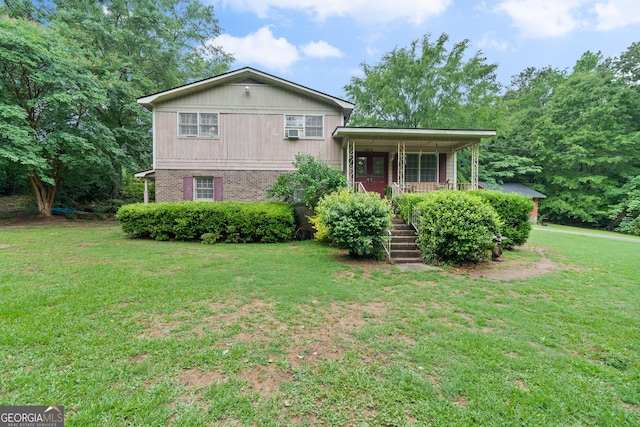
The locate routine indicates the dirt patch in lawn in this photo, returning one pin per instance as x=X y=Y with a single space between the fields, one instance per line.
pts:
x=510 y=269
x=195 y=378
x=265 y=380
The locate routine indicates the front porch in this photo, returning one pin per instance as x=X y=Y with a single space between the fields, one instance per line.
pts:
x=407 y=160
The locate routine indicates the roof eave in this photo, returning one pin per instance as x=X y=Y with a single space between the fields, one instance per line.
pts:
x=150 y=100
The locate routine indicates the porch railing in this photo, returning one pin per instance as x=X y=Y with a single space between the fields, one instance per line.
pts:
x=423 y=187
x=358 y=187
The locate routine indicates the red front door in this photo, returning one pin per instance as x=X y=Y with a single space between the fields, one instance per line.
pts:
x=372 y=170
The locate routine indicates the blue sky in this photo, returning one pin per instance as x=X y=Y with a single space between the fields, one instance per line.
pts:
x=321 y=43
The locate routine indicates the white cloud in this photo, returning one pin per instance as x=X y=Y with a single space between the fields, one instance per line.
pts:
x=489 y=41
x=260 y=48
x=372 y=11
x=544 y=18
x=321 y=49
x=616 y=13
x=265 y=50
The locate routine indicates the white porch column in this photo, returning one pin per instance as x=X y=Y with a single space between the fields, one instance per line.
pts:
x=475 y=152
x=402 y=157
x=351 y=160
x=146 y=191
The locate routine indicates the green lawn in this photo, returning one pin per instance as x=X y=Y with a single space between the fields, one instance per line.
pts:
x=133 y=332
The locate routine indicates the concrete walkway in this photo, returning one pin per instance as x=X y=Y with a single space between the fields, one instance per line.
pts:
x=579 y=233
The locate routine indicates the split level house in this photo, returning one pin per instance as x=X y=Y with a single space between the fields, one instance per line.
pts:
x=228 y=138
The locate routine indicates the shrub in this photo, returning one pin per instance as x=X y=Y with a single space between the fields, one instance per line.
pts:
x=357 y=222
x=455 y=227
x=514 y=211
x=311 y=180
x=228 y=221
x=405 y=202
x=322 y=231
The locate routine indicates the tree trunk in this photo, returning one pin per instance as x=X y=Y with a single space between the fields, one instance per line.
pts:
x=44 y=196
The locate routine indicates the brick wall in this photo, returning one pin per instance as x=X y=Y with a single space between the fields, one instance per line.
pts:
x=245 y=186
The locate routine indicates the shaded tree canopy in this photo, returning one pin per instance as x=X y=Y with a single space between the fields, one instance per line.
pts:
x=132 y=49
x=426 y=85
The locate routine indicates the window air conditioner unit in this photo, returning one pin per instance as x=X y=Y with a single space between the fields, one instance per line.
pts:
x=293 y=133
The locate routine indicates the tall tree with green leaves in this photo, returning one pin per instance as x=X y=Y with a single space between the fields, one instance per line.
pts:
x=135 y=48
x=49 y=99
x=426 y=85
x=508 y=157
x=586 y=141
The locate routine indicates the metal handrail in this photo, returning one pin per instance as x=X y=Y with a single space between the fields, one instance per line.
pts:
x=396 y=190
x=414 y=218
x=387 y=244
x=358 y=187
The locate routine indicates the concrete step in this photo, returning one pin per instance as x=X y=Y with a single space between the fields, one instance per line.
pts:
x=405 y=253
x=403 y=239
x=407 y=260
x=404 y=249
x=406 y=245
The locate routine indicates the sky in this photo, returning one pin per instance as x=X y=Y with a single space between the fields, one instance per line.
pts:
x=322 y=44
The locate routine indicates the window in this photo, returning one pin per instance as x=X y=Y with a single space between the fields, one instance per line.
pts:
x=310 y=127
x=421 y=168
x=203 y=188
x=198 y=124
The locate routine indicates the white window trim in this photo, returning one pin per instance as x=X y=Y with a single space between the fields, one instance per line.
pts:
x=198 y=125
x=303 y=128
x=419 y=164
x=195 y=189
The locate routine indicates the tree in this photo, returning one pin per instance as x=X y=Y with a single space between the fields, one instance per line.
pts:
x=311 y=181
x=134 y=48
x=508 y=157
x=586 y=141
x=426 y=86
x=48 y=103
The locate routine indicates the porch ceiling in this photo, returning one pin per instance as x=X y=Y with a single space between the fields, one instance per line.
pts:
x=453 y=139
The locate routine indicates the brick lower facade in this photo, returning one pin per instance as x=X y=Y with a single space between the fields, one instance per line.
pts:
x=243 y=186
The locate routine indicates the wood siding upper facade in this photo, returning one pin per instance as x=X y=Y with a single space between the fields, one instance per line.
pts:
x=251 y=129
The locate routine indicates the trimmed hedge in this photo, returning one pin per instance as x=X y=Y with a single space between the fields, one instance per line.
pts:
x=404 y=203
x=357 y=222
x=233 y=222
x=514 y=211
x=456 y=227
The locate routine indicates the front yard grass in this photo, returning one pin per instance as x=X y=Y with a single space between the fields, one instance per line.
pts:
x=135 y=332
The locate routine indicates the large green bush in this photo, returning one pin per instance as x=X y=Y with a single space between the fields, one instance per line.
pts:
x=357 y=222
x=405 y=203
x=228 y=221
x=311 y=180
x=514 y=211
x=456 y=227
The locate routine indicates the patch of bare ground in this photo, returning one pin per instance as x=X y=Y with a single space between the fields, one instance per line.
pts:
x=631 y=407
x=138 y=357
x=509 y=269
x=329 y=339
x=159 y=330
x=521 y=386
x=265 y=380
x=461 y=401
x=196 y=379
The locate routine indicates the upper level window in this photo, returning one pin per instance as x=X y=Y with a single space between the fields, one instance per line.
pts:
x=198 y=124
x=311 y=127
